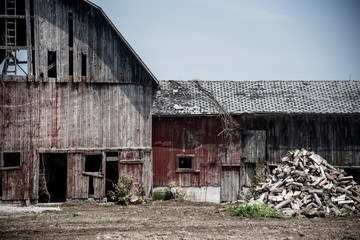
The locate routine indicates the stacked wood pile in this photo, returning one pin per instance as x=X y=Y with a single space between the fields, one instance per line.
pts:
x=307 y=185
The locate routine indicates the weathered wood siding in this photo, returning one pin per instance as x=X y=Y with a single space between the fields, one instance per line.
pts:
x=98 y=100
x=336 y=138
x=51 y=116
x=108 y=56
x=196 y=136
x=264 y=140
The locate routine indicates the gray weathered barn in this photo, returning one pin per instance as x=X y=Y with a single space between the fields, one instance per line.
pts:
x=190 y=145
x=75 y=102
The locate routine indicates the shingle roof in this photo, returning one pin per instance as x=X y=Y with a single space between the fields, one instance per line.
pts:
x=298 y=97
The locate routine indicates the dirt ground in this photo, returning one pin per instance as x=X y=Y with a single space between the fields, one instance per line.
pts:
x=176 y=219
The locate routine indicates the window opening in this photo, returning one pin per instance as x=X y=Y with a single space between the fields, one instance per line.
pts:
x=11 y=159
x=93 y=163
x=52 y=64
x=15 y=63
x=83 y=64
x=13 y=58
x=185 y=162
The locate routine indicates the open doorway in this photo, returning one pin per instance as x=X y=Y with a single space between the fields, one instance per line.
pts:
x=112 y=171
x=52 y=177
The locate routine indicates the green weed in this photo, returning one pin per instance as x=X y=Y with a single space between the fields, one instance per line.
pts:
x=103 y=221
x=254 y=211
x=76 y=214
x=34 y=217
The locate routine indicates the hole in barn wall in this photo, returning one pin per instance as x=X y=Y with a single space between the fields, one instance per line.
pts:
x=83 y=64
x=11 y=159
x=93 y=163
x=52 y=177
x=52 y=64
x=353 y=172
x=91 y=187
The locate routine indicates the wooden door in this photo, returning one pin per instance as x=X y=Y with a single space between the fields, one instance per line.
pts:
x=253 y=143
x=230 y=180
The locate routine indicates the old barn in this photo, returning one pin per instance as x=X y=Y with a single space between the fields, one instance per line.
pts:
x=213 y=137
x=75 y=103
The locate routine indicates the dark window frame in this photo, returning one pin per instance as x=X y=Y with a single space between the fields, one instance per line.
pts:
x=185 y=169
x=5 y=166
x=92 y=157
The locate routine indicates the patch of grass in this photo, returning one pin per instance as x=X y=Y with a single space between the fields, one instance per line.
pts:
x=76 y=214
x=211 y=214
x=193 y=212
x=160 y=195
x=34 y=217
x=103 y=221
x=254 y=211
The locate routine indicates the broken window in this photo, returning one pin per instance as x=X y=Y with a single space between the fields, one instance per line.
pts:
x=93 y=163
x=11 y=159
x=14 y=54
x=185 y=162
x=52 y=64
x=14 y=63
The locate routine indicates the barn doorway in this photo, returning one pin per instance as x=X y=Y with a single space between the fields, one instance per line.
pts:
x=52 y=177
x=112 y=172
x=230 y=183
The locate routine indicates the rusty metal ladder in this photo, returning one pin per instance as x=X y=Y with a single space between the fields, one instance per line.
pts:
x=10 y=25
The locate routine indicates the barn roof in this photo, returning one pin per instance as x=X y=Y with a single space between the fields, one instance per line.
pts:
x=289 y=97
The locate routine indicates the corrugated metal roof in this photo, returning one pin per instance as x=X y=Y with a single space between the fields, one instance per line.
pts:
x=298 y=97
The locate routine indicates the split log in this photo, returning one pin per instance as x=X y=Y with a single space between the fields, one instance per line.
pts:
x=283 y=203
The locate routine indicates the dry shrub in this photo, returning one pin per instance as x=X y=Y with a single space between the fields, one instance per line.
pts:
x=126 y=193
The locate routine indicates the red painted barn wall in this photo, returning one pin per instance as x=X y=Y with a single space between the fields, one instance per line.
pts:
x=191 y=135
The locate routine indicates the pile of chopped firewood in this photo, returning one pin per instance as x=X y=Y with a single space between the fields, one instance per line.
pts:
x=307 y=185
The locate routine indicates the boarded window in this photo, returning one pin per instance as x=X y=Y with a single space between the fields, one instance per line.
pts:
x=12 y=159
x=93 y=163
x=185 y=162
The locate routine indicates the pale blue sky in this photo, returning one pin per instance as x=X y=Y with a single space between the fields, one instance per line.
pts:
x=242 y=39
